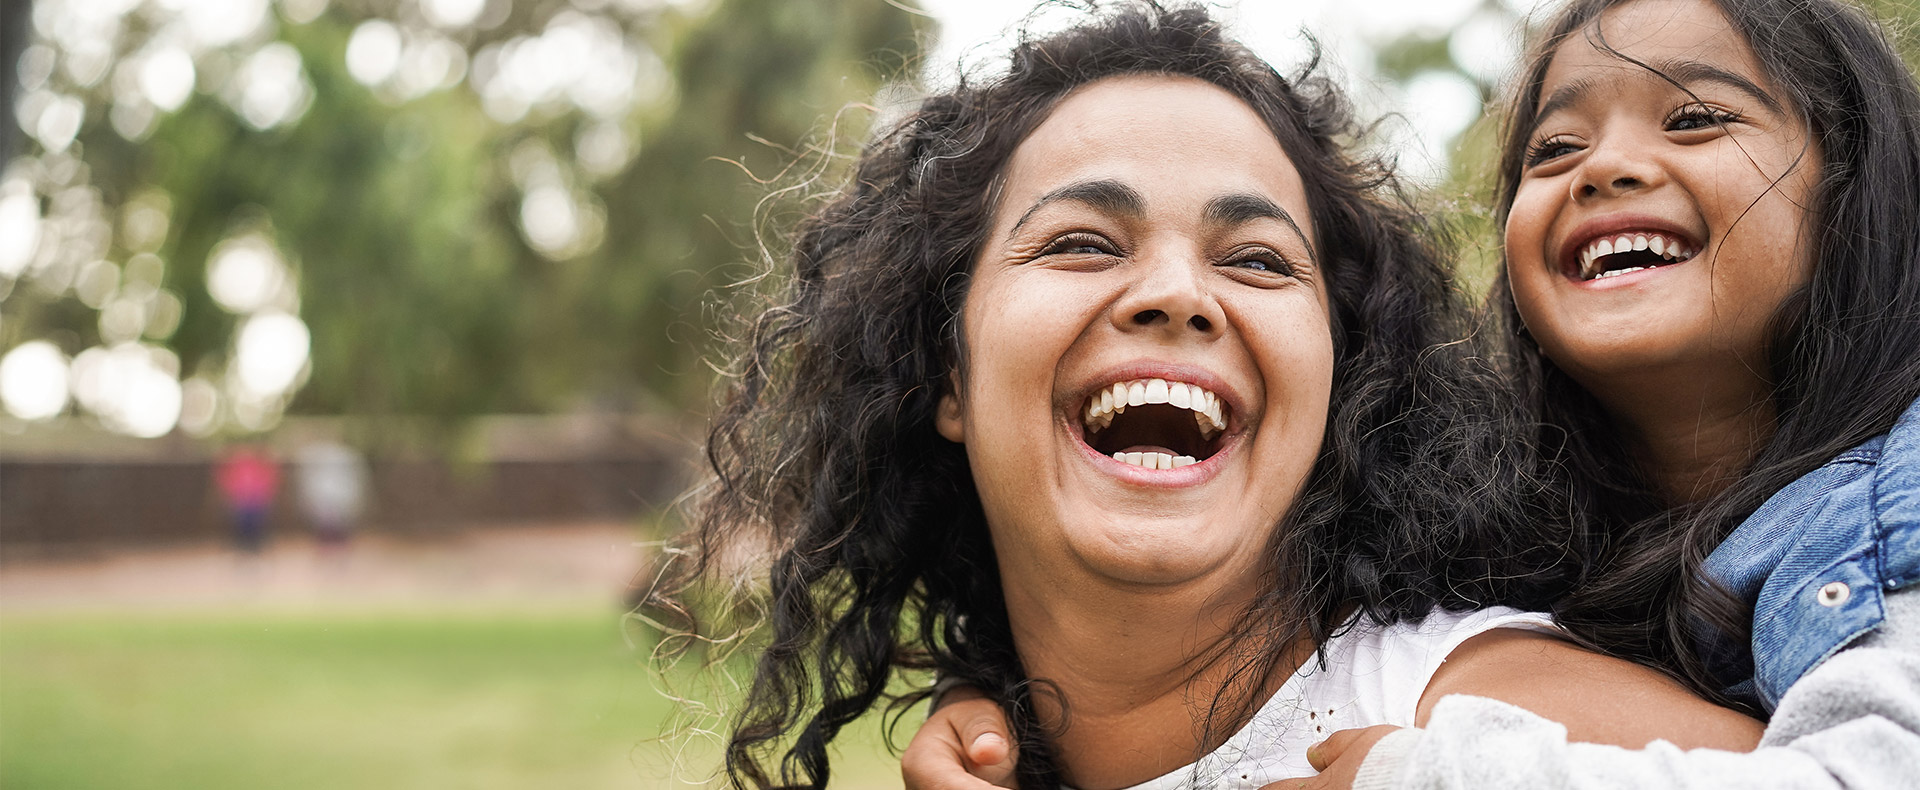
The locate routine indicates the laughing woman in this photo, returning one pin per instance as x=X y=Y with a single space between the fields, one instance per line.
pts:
x=1115 y=387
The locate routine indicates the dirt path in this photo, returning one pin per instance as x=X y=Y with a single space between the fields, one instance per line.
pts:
x=531 y=566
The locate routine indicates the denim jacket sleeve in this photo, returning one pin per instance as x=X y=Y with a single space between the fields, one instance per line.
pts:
x=1817 y=559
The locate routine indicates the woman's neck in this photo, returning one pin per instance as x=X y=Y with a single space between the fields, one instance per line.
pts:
x=1139 y=670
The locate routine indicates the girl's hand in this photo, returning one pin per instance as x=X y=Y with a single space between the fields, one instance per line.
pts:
x=963 y=746
x=1337 y=759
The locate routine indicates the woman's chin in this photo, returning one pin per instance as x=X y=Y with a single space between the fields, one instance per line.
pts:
x=1160 y=552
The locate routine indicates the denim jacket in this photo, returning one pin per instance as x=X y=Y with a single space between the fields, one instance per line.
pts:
x=1818 y=557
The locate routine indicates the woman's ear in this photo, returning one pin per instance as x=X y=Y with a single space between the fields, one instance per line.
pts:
x=948 y=420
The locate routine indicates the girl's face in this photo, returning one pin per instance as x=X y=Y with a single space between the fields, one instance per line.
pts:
x=1656 y=230
x=1148 y=347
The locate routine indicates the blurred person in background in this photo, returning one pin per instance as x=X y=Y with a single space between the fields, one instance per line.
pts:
x=248 y=478
x=333 y=487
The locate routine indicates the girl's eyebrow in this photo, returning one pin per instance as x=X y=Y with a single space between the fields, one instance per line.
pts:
x=1679 y=72
x=1566 y=96
x=1688 y=72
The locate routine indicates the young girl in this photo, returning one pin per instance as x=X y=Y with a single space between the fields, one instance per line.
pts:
x=1712 y=219
x=1111 y=385
x=1740 y=408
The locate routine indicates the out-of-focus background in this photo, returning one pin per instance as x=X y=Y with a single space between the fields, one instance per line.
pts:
x=354 y=352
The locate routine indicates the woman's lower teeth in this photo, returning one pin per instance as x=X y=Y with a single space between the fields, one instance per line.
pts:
x=1155 y=460
x=1618 y=272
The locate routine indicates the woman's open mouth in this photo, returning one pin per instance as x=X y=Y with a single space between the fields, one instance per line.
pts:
x=1616 y=254
x=1154 y=423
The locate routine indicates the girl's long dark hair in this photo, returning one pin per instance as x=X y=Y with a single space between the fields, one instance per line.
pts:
x=825 y=459
x=1844 y=352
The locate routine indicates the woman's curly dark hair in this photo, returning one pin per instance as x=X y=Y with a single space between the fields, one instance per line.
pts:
x=1844 y=353
x=825 y=452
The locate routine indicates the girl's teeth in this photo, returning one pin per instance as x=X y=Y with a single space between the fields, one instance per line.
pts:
x=1155 y=460
x=1137 y=393
x=1178 y=395
x=1591 y=268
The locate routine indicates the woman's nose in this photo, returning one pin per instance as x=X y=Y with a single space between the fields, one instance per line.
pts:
x=1169 y=296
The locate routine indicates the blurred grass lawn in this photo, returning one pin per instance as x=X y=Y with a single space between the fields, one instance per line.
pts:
x=336 y=700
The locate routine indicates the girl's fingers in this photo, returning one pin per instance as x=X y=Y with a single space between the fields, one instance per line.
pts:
x=983 y=729
x=1324 y=753
x=963 y=746
x=985 y=734
x=936 y=760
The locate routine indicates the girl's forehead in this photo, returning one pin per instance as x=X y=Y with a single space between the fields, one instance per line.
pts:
x=1657 y=34
x=1661 y=45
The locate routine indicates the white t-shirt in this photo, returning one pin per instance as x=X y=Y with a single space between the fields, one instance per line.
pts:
x=1374 y=674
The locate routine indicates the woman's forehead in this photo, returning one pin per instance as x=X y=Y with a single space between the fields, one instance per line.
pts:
x=1168 y=137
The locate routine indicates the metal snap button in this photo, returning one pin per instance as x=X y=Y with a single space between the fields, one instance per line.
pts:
x=1834 y=594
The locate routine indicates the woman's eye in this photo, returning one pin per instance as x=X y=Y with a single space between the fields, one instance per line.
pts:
x=1548 y=150
x=1263 y=261
x=1079 y=244
x=1699 y=116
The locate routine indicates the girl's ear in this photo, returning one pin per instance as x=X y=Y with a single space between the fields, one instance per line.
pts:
x=948 y=420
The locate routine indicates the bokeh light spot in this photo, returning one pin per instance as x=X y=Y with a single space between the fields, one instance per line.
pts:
x=271 y=354
x=246 y=274
x=33 y=380
x=373 y=52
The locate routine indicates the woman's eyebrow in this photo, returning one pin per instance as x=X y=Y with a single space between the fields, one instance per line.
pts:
x=1242 y=207
x=1106 y=195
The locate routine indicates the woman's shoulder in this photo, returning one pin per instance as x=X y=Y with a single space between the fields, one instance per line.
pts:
x=1439 y=630
x=1384 y=667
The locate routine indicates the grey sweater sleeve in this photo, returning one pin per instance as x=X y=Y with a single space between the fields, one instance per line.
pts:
x=1853 y=722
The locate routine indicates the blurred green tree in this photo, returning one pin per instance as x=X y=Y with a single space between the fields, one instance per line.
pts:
x=469 y=206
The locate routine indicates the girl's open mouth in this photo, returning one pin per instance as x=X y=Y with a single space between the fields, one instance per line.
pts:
x=1615 y=254
x=1154 y=423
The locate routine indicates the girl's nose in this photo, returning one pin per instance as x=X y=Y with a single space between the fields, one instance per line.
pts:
x=1612 y=171
x=1169 y=297
x=1617 y=186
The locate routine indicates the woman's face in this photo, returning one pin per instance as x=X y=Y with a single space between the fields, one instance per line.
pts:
x=1151 y=247
x=1655 y=233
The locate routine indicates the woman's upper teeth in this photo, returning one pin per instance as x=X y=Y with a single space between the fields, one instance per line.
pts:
x=1208 y=412
x=1671 y=248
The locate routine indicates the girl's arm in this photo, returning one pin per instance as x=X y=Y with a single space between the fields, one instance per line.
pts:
x=1852 y=722
x=1598 y=698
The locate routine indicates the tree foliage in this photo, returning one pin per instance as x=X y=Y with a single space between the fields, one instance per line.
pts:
x=454 y=253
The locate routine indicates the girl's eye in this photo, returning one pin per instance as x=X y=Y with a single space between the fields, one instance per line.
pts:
x=1551 y=148
x=1694 y=117
x=1080 y=244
